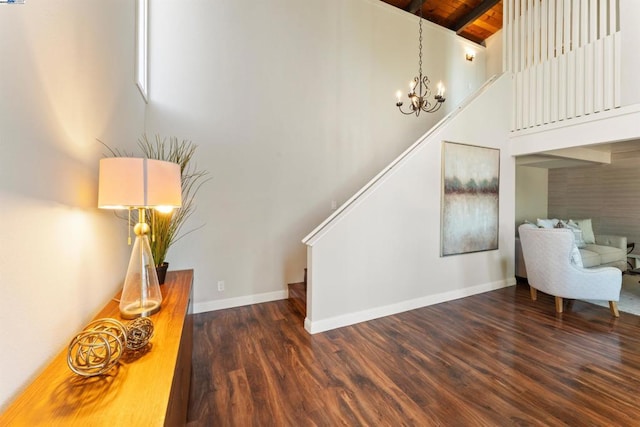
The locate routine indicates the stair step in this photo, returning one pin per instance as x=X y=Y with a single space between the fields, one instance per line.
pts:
x=298 y=296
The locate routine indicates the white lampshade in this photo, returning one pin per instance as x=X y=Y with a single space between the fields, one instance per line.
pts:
x=129 y=182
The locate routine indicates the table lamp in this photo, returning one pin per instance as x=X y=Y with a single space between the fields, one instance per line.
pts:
x=137 y=183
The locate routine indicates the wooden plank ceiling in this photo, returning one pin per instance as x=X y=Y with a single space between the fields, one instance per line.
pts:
x=475 y=20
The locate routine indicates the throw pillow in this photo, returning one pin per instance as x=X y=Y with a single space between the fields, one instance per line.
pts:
x=577 y=234
x=576 y=258
x=572 y=225
x=587 y=230
x=547 y=223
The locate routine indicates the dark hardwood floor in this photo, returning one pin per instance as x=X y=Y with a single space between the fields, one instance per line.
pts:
x=495 y=359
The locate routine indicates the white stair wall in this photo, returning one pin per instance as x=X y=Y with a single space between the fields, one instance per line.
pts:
x=380 y=254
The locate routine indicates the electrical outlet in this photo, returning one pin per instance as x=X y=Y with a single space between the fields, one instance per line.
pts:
x=220 y=285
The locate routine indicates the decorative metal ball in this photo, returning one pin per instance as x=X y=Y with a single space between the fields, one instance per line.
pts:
x=109 y=325
x=98 y=348
x=101 y=344
x=139 y=332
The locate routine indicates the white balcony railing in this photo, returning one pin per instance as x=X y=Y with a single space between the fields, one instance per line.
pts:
x=564 y=56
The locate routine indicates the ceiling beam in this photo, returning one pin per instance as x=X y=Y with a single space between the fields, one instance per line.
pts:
x=472 y=15
x=414 y=6
x=582 y=153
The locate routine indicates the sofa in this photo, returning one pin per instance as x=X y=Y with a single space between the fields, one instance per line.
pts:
x=596 y=250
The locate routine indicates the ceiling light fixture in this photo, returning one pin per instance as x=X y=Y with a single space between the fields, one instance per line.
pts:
x=419 y=91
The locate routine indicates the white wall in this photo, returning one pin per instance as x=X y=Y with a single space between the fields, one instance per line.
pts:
x=66 y=79
x=531 y=193
x=292 y=103
x=381 y=255
x=494 y=54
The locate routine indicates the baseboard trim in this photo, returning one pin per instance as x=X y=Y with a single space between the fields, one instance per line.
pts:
x=221 y=304
x=388 y=310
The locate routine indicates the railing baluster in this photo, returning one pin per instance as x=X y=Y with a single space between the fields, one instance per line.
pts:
x=537 y=50
x=547 y=54
x=517 y=65
x=580 y=57
x=565 y=58
x=617 y=57
x=570 y=85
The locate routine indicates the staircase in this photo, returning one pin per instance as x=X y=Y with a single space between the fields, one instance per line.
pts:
x=378 y=254
x=298 y=297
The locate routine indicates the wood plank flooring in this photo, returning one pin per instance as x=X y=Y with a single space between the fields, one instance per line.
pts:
x=495 y=359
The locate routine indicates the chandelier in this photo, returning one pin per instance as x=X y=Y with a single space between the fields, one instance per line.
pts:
x=419 y=91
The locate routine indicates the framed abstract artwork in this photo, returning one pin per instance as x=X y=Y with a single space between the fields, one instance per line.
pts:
x=470 y=198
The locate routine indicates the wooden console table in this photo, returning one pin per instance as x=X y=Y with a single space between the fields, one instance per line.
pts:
x=152 y=390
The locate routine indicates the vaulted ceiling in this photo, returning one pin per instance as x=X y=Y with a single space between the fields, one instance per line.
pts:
x=475 y=20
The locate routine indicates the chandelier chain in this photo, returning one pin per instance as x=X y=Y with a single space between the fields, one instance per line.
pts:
x=420 y=47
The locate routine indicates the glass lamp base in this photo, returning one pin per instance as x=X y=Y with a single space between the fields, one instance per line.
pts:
x=135 y=309
x=141 y=294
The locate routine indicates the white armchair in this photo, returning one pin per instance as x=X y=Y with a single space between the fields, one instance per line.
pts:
x=553 y=268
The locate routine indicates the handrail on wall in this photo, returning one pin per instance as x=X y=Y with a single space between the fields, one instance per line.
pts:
x=315 y=234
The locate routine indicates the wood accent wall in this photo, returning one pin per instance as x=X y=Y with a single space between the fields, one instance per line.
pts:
x=608 y=194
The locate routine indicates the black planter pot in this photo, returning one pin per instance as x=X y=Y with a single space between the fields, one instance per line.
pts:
x=161 y=270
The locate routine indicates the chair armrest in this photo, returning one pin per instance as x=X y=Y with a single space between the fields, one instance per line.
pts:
x=599 y=283
x=609 y=240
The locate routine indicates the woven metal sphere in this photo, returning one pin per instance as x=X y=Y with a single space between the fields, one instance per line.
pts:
x=139 y=332
x=93 y=353
x=109 y=325
x=97 y=348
